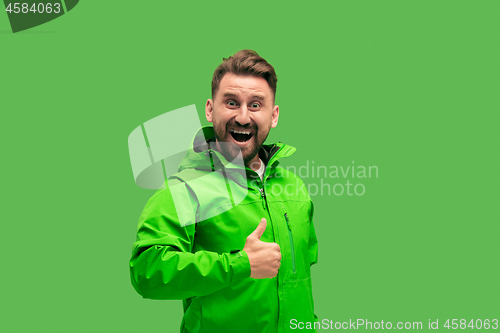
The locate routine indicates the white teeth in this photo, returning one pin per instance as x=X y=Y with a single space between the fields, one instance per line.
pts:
x=241 y=132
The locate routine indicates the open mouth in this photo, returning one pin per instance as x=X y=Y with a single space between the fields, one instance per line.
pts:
x=241 y=135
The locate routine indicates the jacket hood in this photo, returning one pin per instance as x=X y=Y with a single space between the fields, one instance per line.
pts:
x=201 y=157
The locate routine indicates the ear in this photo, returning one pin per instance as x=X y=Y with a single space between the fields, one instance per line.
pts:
x=209 y=110
x=276 y=115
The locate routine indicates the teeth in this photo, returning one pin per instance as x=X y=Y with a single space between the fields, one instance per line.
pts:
x=241 y=132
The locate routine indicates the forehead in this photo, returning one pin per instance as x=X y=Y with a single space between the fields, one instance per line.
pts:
x=244 y=85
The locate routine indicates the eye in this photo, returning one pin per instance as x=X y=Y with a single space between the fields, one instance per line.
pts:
x=231 y=102
x=255 y=105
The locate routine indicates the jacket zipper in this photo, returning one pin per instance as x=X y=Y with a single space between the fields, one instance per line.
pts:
x=263 y=196
x=264 y=205
x=291 y=241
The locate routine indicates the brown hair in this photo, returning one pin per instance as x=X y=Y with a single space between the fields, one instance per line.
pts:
x=245 y=63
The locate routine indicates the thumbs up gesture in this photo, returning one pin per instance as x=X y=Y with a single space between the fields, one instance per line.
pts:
x=264 y=257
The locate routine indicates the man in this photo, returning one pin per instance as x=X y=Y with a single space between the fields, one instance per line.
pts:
x=241 y=265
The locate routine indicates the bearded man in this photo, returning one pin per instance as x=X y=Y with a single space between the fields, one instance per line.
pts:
x=240 y=265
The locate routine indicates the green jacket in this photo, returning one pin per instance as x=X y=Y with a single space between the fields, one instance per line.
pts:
x=203 y=262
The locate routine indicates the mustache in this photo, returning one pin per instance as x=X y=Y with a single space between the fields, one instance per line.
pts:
x=234 y=124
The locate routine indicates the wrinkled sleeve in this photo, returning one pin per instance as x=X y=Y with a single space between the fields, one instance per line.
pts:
x=163 y=265
x=313 y=241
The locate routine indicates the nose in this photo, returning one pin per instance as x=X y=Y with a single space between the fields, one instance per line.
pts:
x=243 y=116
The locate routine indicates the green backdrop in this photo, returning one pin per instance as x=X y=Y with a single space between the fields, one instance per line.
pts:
x=411 y=87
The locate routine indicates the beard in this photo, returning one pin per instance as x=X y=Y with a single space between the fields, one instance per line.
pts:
x=230 y=150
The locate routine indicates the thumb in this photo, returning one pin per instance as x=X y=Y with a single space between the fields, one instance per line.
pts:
x=260 y=229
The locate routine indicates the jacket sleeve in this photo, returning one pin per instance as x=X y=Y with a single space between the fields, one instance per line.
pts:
x=163 y=266
x=313 y=248
x=313 y=241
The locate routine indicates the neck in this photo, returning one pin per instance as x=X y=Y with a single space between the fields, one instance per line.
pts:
x=255 y=163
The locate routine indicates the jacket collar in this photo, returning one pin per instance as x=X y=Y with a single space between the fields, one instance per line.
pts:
x=203 y=156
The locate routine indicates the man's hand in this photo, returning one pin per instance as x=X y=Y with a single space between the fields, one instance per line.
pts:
x=264 y=257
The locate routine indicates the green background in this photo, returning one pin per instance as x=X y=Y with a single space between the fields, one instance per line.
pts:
x=409 y=86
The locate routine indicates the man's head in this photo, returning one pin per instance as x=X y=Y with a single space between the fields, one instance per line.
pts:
x=242 y=107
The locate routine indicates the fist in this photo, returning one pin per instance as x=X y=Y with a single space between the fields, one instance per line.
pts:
x=265 y=258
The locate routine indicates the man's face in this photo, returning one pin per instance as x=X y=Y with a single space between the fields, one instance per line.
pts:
x=242 y=113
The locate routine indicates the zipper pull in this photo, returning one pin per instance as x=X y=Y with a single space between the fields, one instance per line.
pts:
x=263 y=196
x=287 y=219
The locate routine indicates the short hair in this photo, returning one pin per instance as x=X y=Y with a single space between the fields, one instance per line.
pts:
x=245 y=63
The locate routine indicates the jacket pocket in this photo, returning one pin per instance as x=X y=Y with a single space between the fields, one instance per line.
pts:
x=290 y=237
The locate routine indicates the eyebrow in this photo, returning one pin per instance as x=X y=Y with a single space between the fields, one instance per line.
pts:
x=261 y=97
x=256 y=96
x=229 y=95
